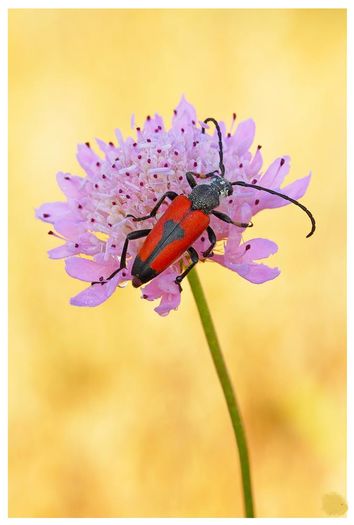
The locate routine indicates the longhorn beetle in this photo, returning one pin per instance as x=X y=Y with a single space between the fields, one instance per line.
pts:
x=185 y=219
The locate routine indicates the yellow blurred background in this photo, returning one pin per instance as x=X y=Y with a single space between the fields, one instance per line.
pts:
x=115 y=411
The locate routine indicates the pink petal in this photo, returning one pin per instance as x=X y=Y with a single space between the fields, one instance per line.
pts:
x=69 y=184
x=89 y=244
x=120 y=138
x=164 y=286
x=244 y=136
x=185 y=112
x=88 y=270
x=87 y=159
x=232 y=247
x=159 y=122
x=96 y=294
x=163 y=283
x=255 y=165
x=168 y=303
x=132 y=121
x=275 y=174
x=242 y=213
x=259 y=249
x=256 y=273
x=253 y=272
x=70 y=228
x=295 y=190
x=53 y=211
x=150 y=125
x=106 y=148
x=85 y=244
x=240 y=259
x=66 y=250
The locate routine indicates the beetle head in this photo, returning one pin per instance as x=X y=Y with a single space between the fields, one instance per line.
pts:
x=222 y=186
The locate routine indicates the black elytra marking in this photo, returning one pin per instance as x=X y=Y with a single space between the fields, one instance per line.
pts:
x=142 y=269
x=171 y=232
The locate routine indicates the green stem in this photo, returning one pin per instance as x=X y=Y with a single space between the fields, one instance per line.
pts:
x=226 y=386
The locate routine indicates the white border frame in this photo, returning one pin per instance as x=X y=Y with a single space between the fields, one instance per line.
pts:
x=116 y=4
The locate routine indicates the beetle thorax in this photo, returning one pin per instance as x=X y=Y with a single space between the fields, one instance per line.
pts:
x=204 y=197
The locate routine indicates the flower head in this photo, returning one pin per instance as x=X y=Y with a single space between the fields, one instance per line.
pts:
x=131 y=175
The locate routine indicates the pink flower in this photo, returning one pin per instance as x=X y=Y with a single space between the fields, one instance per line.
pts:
x=130 y=177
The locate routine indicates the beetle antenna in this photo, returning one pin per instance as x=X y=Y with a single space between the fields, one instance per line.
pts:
x=221 y=154
x=260 y=188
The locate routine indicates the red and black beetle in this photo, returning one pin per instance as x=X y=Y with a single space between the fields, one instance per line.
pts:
x=184 y=221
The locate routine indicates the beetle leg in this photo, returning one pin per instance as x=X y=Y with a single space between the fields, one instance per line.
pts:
x=212 y=239
x=194 y=256
x=138 y=234
x=211 y=174
x=225 y=218
x=170 y=194
x=191 y=180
